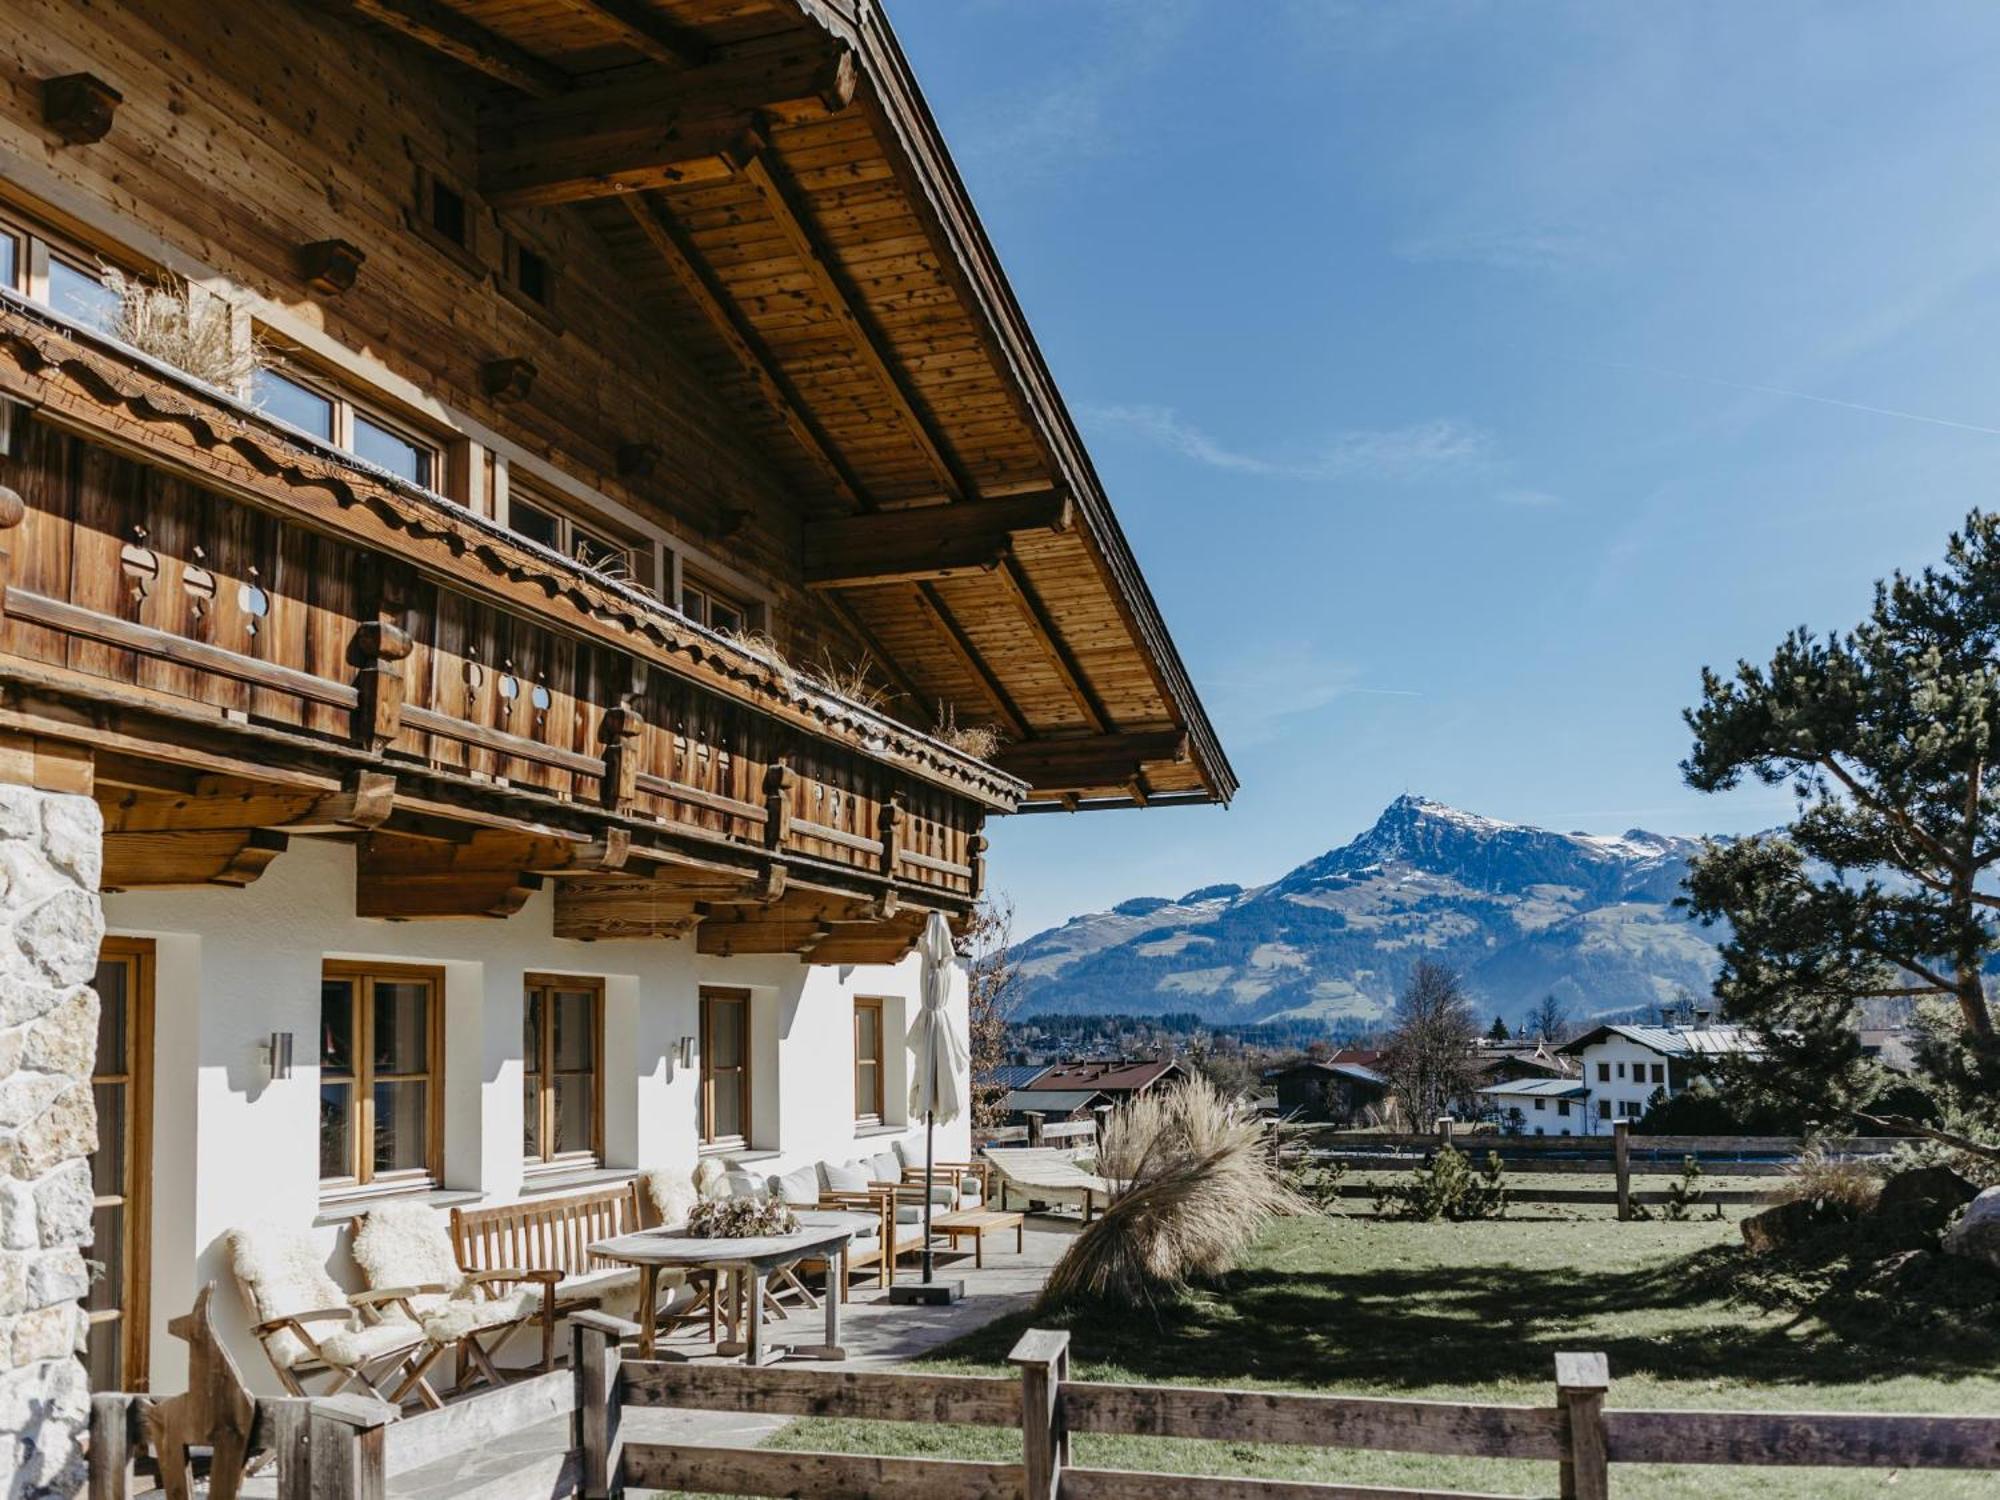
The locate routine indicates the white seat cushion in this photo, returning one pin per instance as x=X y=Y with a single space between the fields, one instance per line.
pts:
x=886 y=1167
x=281 y=1274
x=407 y=1244
x=799 y=1188
x=464 y=1315
x=347 y=1347
x=852 y=1177
x=674 y=1195
x=909 y=1213
x=741 y=1182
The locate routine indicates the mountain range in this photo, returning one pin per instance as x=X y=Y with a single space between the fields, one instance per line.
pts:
x=1520 y=912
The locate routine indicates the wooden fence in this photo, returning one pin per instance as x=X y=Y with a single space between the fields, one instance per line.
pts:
x=1574 y=1431
x=326 y=1447
x=1620 y=1155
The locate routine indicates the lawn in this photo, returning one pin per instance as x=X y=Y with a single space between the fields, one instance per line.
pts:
x=1477 y=1311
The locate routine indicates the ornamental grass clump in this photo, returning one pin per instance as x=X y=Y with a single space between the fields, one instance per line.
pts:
x=1841 y=1186
x=179 y=326
x=1192 y=1184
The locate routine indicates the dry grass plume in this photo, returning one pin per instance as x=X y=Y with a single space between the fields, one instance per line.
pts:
x=179 y=326
x=1192 y=1186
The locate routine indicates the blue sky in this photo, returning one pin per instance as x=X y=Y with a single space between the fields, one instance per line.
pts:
x=1468 y=375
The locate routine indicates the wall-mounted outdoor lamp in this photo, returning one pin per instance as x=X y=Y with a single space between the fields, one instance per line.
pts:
x=684 y=1052
x=278 y=1055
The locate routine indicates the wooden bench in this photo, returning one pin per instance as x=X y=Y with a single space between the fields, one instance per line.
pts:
x=891 y=1238
x=547 y=1241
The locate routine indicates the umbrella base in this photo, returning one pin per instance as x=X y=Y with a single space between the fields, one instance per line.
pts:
x=926 y=1293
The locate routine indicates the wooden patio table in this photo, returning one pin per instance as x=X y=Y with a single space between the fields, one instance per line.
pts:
x=751 y=1260
x=978 y=1223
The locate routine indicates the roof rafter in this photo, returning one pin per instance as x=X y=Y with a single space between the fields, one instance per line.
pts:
x=1053 y=647
x=646 y=30
x=443 y=30
x=926 y=542
x=954 y=637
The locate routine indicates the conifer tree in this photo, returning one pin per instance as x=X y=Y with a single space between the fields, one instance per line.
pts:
x=1882 y=887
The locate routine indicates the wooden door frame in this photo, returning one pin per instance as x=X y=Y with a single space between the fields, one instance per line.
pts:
x=137 y=1302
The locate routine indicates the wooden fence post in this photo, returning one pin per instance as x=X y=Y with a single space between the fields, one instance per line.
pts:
x=287 y=1424
x=113 y=1415
x=1444 y=1125
x=1043 y=1356
x=594 y=1362
x=345 y=1436
x=1621 y=1155
x=1581 y=1381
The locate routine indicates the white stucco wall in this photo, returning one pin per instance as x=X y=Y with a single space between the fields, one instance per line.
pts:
x=1633 y=1088
x=232 y=1147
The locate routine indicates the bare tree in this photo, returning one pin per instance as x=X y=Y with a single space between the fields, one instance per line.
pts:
x=1549 y=1022
x=993 y=977
x=1429 y=1061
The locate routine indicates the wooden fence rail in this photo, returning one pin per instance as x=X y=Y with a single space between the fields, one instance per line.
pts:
x=327 y=1447
x=1575 y=1430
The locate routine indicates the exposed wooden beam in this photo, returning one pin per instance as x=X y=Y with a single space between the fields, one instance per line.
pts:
x=229 y=856
x=625 y=907
x=490 y=874
x=226 y=802
x=883 y=660
x=961 y=648
x=928 y=542
x=656 y=130
x=1049 y=640
x=1097 y=761
x=685 y=265
x=443 y=30
x=871 y=349
x=646 y=30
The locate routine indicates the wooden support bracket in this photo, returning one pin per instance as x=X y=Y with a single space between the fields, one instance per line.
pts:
x=78 y=107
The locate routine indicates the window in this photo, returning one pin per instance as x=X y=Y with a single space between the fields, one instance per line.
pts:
x=332 y=416
x=81 y=295
x=10 y=260
x=1630 y=1108
x=1621 y=1070
x=444 y=215
x=708 y=605
x=868 y=1061
x=1541 y=1104
x=531 y=516
x=562 y=1080
x=1659 y=1072
x=526 y=276
x=725 y=1067
x=1603 y=1109
x=381 y=1074
x=447 y=211
x=1604 y=1072
x=1562 y=1108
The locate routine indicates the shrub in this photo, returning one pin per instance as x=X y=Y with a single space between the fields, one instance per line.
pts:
x=1448 y=1188
x=1192 y=1185
x=1683 y=1196
x=175 y=324
x=1842 y=1186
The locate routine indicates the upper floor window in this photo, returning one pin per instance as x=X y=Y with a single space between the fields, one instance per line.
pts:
x=81 y=295
x=526 y=276
x=868 y=1061
x=707 y=604
x=591 y=543
x=1604 y=1072
x=332 y=416
x=10 y=260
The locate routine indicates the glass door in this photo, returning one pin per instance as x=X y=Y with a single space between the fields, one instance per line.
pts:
x=121 y=1168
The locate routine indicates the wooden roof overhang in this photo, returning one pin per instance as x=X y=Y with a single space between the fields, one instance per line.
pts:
x=773 y=180
x=233 y=635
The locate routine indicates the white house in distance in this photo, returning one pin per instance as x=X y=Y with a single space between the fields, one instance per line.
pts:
x=1622 y=1067
x=502 y=723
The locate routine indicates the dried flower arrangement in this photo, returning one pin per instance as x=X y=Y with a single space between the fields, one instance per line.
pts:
x=853 y=680
x=740 y=1219
x=980 y=741
x=180 y=326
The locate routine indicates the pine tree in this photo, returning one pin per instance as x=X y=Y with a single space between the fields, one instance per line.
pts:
x=1879 y=889
x=1497 y=1032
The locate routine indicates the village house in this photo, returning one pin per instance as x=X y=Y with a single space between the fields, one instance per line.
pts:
x=1341 y=1089
x=1621 y=1071
x=523 y=691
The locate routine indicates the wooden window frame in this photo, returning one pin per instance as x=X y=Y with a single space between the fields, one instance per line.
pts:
x=508 y=278
x=709 y=1140
x=422 y=220
x=569 y=522
x=136 y=1301
x=362 y=1178
x=880 y=1062
x=749 y=607
x=347 y=406
x=545 y=1093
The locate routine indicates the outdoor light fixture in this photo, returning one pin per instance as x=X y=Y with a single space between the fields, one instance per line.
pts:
x=278 y=1055
x=684 y=1052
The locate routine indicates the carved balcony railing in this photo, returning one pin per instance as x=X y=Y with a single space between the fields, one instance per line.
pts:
x=189 y=572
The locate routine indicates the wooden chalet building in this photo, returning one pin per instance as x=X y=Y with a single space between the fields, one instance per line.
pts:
x=459 y=658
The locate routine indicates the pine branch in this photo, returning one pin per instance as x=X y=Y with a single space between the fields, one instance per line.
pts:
x=1902 y=1125
x=1895 y=815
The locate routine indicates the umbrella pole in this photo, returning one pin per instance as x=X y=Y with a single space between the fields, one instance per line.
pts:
x=930 y=1137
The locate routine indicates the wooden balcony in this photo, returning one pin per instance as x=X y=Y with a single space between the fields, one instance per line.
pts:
x=236 y=635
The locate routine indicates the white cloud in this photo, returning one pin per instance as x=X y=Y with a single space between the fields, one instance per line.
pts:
x=1505 y=248
x=1418 y=451
x=1272 y=684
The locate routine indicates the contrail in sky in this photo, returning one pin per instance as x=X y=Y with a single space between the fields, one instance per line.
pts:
x=1773 y=390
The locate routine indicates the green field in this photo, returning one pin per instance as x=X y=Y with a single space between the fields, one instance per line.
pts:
x=1478 y=1311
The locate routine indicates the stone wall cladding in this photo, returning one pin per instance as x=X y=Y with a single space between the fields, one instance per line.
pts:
x=51 y=927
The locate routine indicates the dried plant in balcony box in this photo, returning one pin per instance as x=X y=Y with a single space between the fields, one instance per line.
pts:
x=740 y=1219
x=853 y=680
x=1193 y=1182
x=980 y=741
x=180 y=326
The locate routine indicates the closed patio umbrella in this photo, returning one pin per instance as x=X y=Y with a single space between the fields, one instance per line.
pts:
x=938 y=1055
